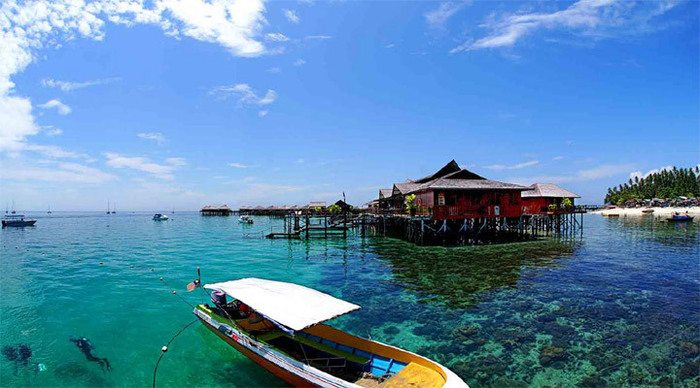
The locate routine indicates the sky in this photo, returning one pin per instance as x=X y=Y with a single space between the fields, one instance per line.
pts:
x=163 y=104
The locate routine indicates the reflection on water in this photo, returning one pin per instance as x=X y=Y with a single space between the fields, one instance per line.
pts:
x=459 y=275
x=619 y=307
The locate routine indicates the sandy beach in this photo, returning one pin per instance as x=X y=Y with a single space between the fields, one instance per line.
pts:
x=658 y=211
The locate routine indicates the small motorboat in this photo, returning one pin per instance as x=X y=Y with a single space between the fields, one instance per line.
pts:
x=611 y=215
x=17 y=220
x=245 y=219
x=647 y=211
x=279 y=326
x=160 y=217
x=680 y=218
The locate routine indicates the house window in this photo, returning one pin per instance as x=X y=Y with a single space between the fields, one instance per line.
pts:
x=441 y=199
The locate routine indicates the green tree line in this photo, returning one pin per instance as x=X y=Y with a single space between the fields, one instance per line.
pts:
x=663 y=184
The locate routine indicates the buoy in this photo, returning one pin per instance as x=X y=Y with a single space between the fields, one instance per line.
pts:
x=161 y=278
x=174 y=292
x=101 y=263
x=164 y=349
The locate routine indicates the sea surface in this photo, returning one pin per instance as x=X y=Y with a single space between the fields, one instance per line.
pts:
x=619 y=305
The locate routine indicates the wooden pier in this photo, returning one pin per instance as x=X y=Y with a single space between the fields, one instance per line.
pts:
x=470 y=231
x=298 y=224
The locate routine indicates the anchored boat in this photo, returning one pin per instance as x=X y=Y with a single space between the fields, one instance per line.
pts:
x=160 y=217
x=680 y=218
x=245 y=219
x=279 y=326
x=17 y=220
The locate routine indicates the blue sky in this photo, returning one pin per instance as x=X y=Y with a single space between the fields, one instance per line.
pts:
x=179 y=103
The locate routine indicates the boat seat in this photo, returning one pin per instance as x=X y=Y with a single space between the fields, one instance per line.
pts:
x=381 y=366
x=331 y=349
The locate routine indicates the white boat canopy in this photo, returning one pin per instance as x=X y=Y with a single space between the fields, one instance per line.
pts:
x=294 y=306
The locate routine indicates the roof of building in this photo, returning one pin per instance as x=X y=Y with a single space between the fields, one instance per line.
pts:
x=385 y=193
x=447 y=183
x=291 y=305
x=548 y=190
x=404 y=188
x=216 y=208
x=314 y=204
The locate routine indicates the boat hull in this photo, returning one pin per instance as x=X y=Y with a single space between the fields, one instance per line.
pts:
x=18 y=223
x=684 y=219
x=271 y=367
x=295 y=372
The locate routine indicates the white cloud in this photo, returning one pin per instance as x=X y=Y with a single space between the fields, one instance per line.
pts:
x=276 y=37
x=559 y=157
x=176 y=161
x=274 y=70
x=437 y=17
x=62 y=108
x=238 y=165
x=514 y=166
x=299 y=62
x=29 y=26
x=263 y=113
x=61 y=173
x=318 y=37
x=51 y=131
x=138 y=163
x=16 y=121
x=52 y=151
x=68 y=86
x=155 y=136
x=594 y=18
x=638 y=174
x=247 y=95
x=291 y=16
x=591 y=174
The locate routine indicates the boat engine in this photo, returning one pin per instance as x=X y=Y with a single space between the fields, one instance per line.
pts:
x=218 y=298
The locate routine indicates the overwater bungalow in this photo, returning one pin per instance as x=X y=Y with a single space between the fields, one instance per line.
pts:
x=547 y=197
x=455 y=205
x=216 y=210
x=456 y=193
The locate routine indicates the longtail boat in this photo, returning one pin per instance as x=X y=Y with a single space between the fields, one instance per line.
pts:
x=279 y=326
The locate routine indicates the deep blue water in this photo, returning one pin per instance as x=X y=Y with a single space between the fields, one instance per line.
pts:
x=619 y=306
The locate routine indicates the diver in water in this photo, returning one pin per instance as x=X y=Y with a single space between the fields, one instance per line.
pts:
x=86 y=348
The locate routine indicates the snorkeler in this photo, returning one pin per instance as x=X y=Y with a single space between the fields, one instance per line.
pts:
x=86 y=348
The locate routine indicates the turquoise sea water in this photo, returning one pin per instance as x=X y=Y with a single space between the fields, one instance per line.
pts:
x=620 y=306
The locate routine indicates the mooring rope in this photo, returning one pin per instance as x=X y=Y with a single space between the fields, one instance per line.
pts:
x=165 y=349
x=174 y=292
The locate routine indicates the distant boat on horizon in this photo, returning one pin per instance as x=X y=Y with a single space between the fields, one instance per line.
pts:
x=49 y=211
x=17 y=220
x=114 y=208
x=108 y=212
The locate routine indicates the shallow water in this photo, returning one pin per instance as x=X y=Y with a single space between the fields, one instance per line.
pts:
x=619 y=306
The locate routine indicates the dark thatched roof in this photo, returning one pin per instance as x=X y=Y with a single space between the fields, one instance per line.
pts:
x=404 y=188
x=548 y=190
x=385 y=193
x=468 y=184
x=450 y=168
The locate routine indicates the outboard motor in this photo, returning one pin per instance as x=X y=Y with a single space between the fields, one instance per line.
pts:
x=218 y=297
